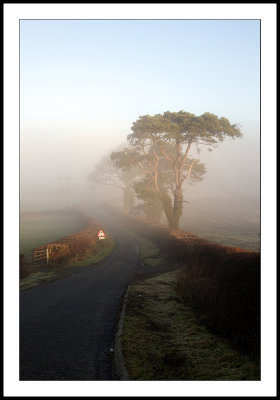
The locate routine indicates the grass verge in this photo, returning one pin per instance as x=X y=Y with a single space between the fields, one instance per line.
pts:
x=99 y=252
x=35 y=278
x=163 y=340
x=150 y=253
x=38 y=275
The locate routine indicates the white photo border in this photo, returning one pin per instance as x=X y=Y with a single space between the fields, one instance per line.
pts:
x=13 y=13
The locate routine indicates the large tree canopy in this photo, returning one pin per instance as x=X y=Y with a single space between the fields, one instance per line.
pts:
x=162 y=145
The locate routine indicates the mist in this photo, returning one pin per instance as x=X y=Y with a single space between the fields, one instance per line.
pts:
x=58 y=176
x=223 y=207
x=89 y=81
x=177 y=103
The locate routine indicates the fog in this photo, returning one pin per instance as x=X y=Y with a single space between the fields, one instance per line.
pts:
x=84 y=82
x=54 y=170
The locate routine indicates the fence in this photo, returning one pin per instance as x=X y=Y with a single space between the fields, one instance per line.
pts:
x=50 y=252
x=40 y=256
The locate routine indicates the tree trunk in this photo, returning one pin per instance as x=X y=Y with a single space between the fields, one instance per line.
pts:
x=177 y=208
x=128 y=200
x=173 y=212
x=167 y=207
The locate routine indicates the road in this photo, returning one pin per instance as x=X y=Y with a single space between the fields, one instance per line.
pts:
x=67 y=326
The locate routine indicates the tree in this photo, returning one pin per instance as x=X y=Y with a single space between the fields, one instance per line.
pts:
x=151 y=205
x=123 y=162
x=162 y=145
x=107 y=173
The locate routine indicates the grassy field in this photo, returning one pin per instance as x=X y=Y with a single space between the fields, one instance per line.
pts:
x=163 y=340
x=38 y=230
x=229 y=222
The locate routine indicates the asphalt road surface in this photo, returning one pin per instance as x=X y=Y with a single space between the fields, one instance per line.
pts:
x=67 y=327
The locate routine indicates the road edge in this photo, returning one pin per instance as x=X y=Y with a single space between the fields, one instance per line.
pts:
x=120 y=367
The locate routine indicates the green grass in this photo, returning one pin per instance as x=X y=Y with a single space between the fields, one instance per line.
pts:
x=163 y=340
x=148 y=248
x=39 y=230
x=36 y=278
x=52 y=271
x=231 y=221
x=100 y=251
x=238 y=231
x=233 y=239
x=150 y=253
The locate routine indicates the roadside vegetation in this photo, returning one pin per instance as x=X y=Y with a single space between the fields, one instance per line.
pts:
x=98 y=252
x=200 y=322
x=37 y=277
x=150 y=253
x=80 y=249
x=222 y=284
x=164 y=340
